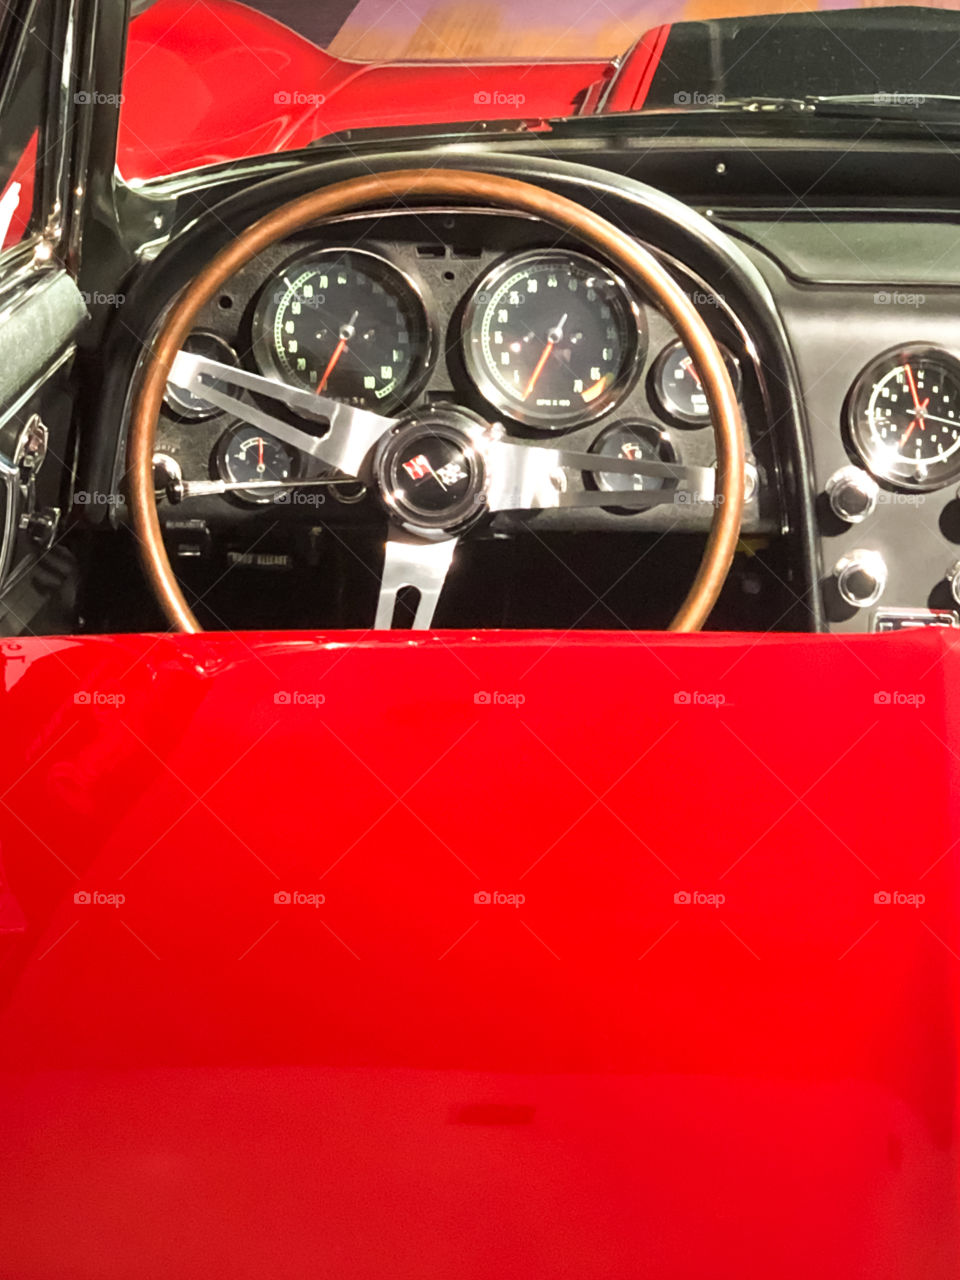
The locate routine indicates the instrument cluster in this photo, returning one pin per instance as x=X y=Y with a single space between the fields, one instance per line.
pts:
x=544 y=340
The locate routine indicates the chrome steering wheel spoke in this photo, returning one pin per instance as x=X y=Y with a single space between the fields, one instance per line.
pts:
x=533 y=478
x=350 y=433
x=416 y=563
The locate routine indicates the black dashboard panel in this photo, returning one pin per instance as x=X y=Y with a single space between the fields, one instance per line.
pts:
x=446 y=254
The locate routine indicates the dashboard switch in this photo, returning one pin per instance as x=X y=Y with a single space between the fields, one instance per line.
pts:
x=861 y=577
x=852 y=494
x=953 y=579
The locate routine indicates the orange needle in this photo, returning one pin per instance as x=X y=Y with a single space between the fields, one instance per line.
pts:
x=338 y=351
x=913 y=388
x=346 y=333
x=915 y=422
x=538 y=370
x=260 y=453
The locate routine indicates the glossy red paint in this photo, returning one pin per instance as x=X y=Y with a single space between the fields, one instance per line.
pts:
x=631 y=84
x=219 y=81
x=602 y=1081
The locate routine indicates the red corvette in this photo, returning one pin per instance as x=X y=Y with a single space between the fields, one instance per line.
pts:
x=479 y=592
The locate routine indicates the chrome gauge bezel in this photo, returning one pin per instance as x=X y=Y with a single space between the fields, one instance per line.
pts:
x=866 y=446
x=481 y=299
x=664 y=403
x=264 y=343
x=221 y=465
x=176 y=400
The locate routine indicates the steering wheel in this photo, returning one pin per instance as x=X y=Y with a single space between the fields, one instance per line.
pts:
x=492 y=473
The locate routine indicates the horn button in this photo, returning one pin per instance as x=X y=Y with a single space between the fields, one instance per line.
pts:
x=430 y=470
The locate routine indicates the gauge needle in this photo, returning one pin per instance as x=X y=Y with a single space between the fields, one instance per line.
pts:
x=689 y=366
x=553 y=337
x=260 y=453
x=346 y=333
x=919 y=420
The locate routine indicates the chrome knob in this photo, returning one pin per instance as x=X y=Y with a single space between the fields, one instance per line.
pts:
x=953 y=580
x=852 y=494
x=861 y=577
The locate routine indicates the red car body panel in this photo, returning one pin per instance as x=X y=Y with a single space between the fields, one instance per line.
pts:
x=220 y=82
x=718 y=1037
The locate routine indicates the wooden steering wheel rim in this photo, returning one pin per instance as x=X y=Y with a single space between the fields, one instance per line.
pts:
x=636 y=263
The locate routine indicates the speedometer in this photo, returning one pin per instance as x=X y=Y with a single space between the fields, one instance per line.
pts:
x=347 y=324
x=552 y=339
x=904 y=417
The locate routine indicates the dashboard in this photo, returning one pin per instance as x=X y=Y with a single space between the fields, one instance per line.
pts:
x=849 y=398
x=492 y=313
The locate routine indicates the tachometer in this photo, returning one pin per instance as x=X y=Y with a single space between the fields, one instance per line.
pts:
x=345 y=323
x=552 y=338
x=904 y=417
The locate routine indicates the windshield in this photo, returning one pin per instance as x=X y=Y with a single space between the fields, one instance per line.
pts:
x=223 y=80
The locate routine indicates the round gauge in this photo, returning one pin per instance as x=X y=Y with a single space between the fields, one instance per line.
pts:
x=677 y=387
x=346 y=324
x=247 y=456
x=552 y=339
x=184 y=403
x=904 y=417
x=632 y=440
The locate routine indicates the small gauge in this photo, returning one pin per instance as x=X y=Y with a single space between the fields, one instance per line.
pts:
x=552 y=339
x=245 y=455
x=184 y=403
x=347 y=324
x=640 y=441
x=903 y=415
x=677 y=387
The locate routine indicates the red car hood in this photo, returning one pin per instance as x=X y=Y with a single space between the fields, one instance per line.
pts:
x=488 y=955
x=220 y=81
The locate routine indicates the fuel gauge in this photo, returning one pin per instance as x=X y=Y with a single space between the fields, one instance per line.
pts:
x=677 y=387
x=247 y=455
